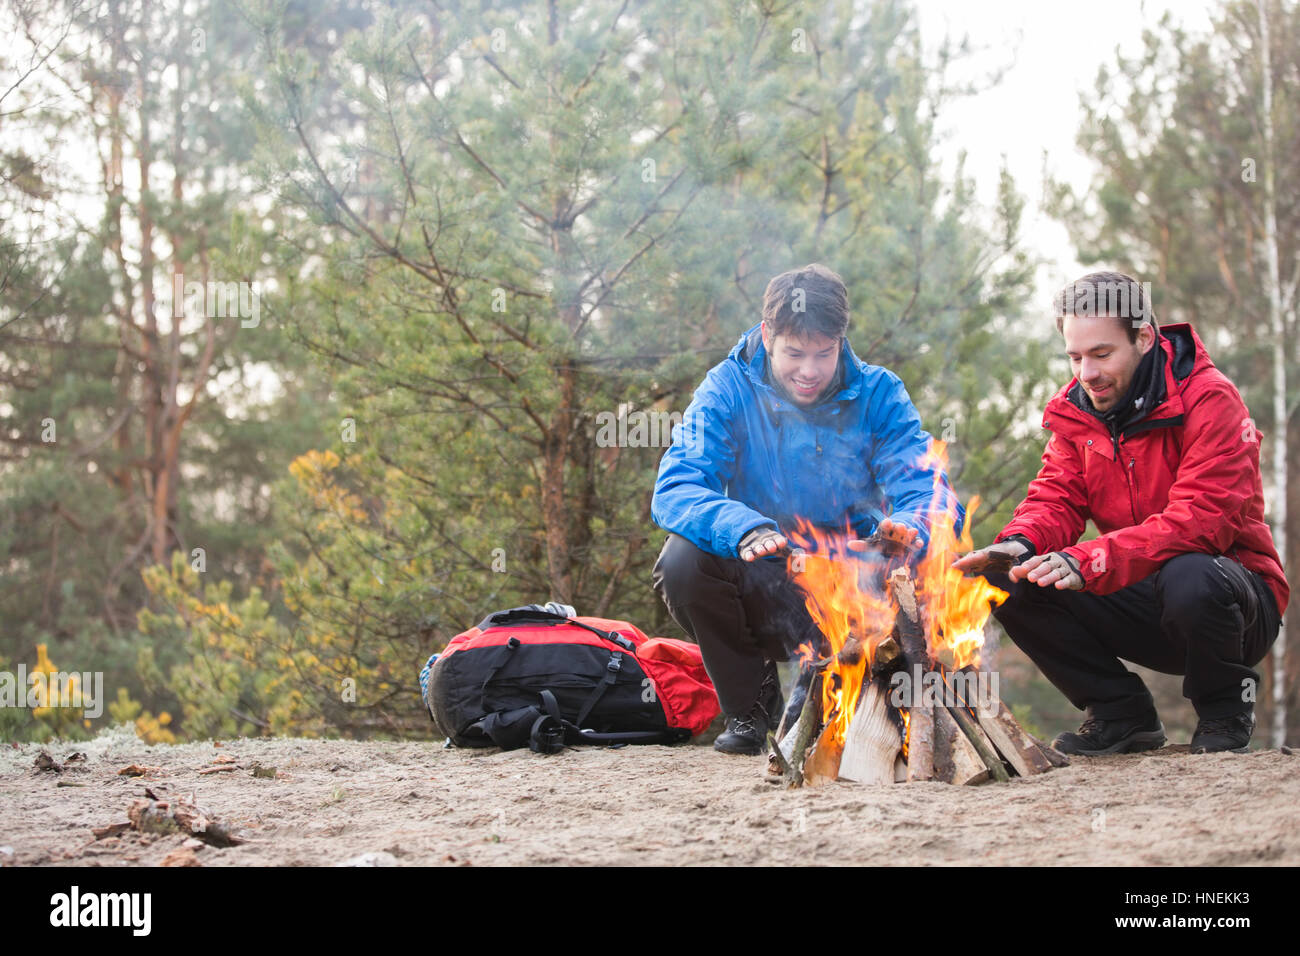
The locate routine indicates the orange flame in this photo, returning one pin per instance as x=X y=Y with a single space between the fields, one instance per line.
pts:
x=846 y=599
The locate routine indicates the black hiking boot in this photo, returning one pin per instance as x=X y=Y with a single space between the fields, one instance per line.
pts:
x=1216 y=734
x=744 y=735
x=747 y=734
x=1125 y=736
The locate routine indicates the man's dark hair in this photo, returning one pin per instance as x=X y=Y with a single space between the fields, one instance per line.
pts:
x=806 y=302
x=1111 y=294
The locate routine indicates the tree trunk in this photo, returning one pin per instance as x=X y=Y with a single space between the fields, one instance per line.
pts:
x=1279 y=454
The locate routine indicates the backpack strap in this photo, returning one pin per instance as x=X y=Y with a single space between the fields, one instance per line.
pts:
x=550 y=730
x=502 y=657
x=534 y=615
x=611 y=675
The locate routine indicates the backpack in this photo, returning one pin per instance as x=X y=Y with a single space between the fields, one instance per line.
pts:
x=532 y=677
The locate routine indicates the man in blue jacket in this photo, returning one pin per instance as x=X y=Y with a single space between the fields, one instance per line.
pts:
x=792 y=425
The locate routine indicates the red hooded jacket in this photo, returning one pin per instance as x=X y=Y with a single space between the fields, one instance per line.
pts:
x=1183 y=479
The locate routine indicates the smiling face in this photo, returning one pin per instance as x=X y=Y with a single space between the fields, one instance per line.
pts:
x=1101 y=356
x=803 y=366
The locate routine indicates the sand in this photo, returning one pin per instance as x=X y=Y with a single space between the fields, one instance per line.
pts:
x=334 y=802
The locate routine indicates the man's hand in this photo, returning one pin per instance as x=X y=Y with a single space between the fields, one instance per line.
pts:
x=891 y=536
x=761 y=542
x=996 y=557
x=1046 y=570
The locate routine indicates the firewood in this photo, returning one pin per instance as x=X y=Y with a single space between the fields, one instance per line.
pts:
x=911 y=637
x=795 y=745
x=920 y=744
x=911 y=633
x=822 y=764
x=1026 y=755
x=777 y=768
x=900 y=769
x=887 y=658
x=970 y=723
x=955 y=758
x=851 y=653
x=847 y=656
x=1019 y=749
x=872 y=743
x=983 y=746
x=1054 y=756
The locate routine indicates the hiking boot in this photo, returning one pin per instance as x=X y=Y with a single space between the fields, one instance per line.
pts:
x=1215 y=734
x=1124 y=736
x=747 y=734
x=744 y=735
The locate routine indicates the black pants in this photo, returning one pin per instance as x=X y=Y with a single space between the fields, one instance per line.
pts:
x=742 y=614
x=1201 y=616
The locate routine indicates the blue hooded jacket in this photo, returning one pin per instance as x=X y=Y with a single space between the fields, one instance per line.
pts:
x=745 y=456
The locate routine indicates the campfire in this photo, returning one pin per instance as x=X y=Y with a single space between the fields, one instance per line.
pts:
x=896 y=693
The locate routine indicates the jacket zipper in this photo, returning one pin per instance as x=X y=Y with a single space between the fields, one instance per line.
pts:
x=1130 y=476
x=1132 y=489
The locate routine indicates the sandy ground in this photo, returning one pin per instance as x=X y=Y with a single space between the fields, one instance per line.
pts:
x=335 y=802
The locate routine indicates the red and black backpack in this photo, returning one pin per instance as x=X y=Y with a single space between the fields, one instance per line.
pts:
x=531 y=677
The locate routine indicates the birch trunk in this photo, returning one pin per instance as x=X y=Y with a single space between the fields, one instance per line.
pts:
x=1278 y=328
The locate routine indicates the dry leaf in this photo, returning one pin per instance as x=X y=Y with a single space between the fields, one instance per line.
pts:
x=46 y=764
x=181 y=856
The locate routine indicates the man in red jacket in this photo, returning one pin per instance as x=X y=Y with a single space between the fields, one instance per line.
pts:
x=1154 y=444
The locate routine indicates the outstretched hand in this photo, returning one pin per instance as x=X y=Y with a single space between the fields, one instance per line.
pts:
x=996 y=557
x=891 y=536
x=1047 y=570
x=760 y=545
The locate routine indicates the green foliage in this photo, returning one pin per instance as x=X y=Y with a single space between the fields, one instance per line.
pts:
x=543 y=230
x=476 y=228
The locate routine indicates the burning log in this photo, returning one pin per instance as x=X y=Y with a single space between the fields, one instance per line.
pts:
x=911 y=634
x=823 y=763
x=920 y=727
x=841 y=722
x=872 y=743
x=887 y=658
x=850 y=655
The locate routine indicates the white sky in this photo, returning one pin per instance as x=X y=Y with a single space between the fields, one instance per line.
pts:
x=1054 y=50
